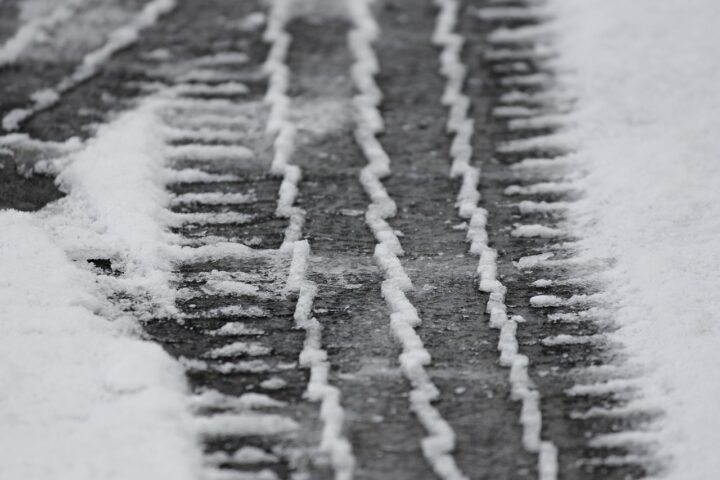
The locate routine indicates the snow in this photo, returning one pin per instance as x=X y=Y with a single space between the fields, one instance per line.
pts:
x=245 y=424
x=89 y=398
x=82 y=397
x=209 y=153
x=242 y=456
x=237 y=329
x=115 y=207
x=236 y=349
x=646 y=76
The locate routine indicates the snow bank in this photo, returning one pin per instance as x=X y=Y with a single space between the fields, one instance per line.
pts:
x=647 y=75
x=80 y=396
x=115 y=208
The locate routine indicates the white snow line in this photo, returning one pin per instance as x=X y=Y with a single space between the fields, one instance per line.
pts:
x=438 y=445
x=452 y=67
x=618 y=461
x=227 y=368
x=631 y=440
x=332 y=414
x=194 y=175
x=528 y=207
x=236 y=329
x=552 y=142
x=205 y=106
x=210 y=218
x=534 y=53
x=208 y=153
x=541 y=301
x=245 y=424
x=636 y=408
x=11 y=50
x=230 y=88
x=212 y=399
x=237 y=349
x=202 y=121
x=536 y=231
x=246 y=455
x=208 y=75
x=546 y=121
x=91 y=64
x=604 y=388
x=223 y=59
x=544 y=188
x=534 y=80
x=202 y=135
x=533 y=14
x=546 y=165
x=213 y=198
x=565 y=340
x=547 y=99
x=522 y=35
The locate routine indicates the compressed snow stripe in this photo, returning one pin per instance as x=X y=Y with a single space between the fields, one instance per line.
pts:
x=215 y=106
x=332 y=442
x=11 y=50
x=91 y=64
x=213 y=198
x=452 y=67
x=518 y=14
x=194 y=175
x=439 y=443
x=245 y=424
x=210 y=218
x=202 y=135
x=201 y=152
x=223 y=59
x=209 y=75
x=230 y=88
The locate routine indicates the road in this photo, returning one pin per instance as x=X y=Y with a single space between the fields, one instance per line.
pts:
x=348 y=333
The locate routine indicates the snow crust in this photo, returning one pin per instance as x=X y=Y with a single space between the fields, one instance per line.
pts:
x=81 y=397
x=646 y=74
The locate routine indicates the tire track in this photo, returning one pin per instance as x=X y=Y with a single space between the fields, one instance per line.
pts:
x=333 y=443
x=384 y=433
x=534 y=176
x=439 y=442
x=462 y=126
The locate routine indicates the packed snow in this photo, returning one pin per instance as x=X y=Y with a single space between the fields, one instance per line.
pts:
x=84 y=397
x=81 y=396
x=646 y=74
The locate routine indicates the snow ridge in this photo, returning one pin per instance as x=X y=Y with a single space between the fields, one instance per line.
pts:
x=91 y=64
x=461 y=126
x=438 y=445
x=332 y=443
